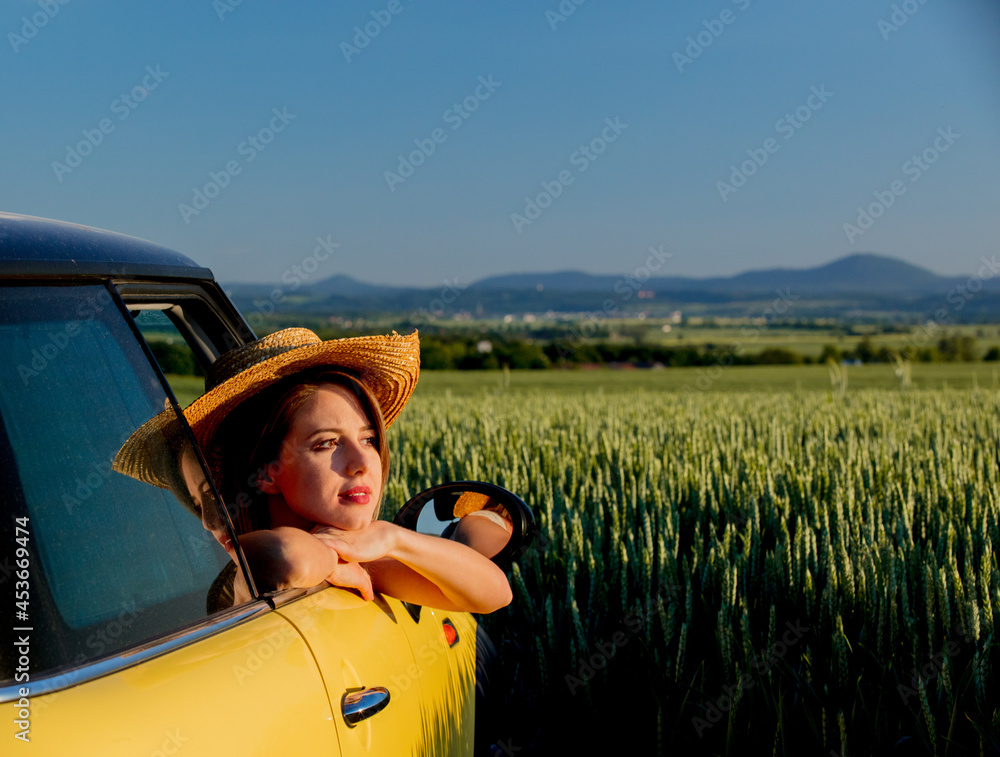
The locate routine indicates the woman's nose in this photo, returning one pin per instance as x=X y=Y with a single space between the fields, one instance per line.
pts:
x=355 y=460
x=210 y=517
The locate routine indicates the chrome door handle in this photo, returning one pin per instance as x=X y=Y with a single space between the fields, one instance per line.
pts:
x=358 y=705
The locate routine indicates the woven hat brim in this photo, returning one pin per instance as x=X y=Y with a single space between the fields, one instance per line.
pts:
x=388 y=365
x=470 y=502
x=147 y=454
x=151 y=455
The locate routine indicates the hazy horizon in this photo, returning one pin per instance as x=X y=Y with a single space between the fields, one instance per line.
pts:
x=434 y=142
x=610 y=274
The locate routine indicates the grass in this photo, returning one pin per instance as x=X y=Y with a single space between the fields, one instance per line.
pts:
x=719 y=570
x=751 y=378
x=757 y=564
x=733 y=379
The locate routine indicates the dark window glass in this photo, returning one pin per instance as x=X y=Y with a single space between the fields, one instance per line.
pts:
x=114 y=561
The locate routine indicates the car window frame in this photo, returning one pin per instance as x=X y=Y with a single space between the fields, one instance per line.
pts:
x=220 y=329
x=72 y=674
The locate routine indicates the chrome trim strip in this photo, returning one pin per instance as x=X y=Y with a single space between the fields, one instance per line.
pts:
x=134 y=656
x=284 y=596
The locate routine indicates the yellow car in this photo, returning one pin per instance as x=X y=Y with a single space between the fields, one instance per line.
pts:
x=110 y=643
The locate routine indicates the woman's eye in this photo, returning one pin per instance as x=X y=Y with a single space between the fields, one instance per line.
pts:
x=327 y=444
x=371 y=441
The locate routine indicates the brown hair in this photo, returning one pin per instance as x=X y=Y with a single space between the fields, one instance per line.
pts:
x=250 y=438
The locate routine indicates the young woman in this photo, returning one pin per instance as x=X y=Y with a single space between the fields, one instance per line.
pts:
x=293 y=430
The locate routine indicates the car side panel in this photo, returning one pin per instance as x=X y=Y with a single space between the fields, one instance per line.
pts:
x=448 y=678
x=355 y=648
x=253 y=689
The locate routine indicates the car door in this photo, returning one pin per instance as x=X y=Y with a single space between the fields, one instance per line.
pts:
x=112 y=649
x=430 y=684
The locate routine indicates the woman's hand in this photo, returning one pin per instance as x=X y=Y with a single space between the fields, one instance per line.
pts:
x=374 y=541
x=287 y=558
x=352 y=575
x=426 y=570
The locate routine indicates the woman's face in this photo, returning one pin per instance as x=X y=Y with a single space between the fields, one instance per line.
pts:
x=328 y=471
x=203 y=498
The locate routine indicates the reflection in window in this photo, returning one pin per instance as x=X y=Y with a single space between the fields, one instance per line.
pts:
x=114 y=560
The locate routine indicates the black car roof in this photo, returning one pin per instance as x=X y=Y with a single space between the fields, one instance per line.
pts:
x=32 y=246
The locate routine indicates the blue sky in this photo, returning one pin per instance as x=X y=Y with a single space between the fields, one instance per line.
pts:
x=295 y=126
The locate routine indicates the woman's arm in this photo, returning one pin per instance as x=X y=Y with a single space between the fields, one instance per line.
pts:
x=427 y=570
x=287 y=558
x=487 y=535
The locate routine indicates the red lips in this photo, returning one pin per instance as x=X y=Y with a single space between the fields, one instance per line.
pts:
x=359 y=495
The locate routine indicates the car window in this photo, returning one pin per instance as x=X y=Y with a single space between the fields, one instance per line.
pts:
x=112 y=561
x=181 y=368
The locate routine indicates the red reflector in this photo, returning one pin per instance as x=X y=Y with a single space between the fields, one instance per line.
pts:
x=450 y=632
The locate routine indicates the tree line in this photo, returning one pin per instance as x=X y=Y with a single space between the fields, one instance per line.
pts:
x=443 y=352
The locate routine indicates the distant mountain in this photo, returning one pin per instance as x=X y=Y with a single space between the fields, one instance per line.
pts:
x=559 y=281
x=859 y=285
x=342 y=285
x=859 y=273
x=339 y=286
x=862 y=272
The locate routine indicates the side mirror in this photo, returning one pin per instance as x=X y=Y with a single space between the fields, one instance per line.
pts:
x=486 y=517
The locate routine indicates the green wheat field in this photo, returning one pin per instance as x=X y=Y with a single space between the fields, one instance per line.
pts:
x=799 y=567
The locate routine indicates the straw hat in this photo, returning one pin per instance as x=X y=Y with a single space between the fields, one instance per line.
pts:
x=388 y=365
x=470 y=502
x=150 y=454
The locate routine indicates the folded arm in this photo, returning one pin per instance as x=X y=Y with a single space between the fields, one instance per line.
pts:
x=288 y=558
x=426 y=570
